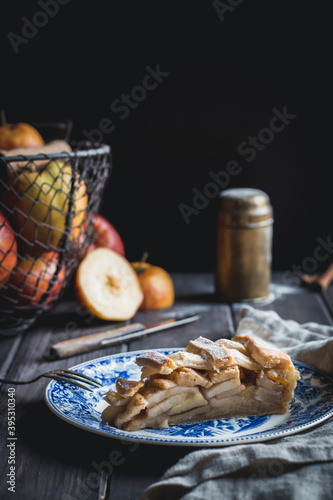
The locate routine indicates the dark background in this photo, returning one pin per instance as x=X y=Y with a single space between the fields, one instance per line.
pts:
x=225 y=77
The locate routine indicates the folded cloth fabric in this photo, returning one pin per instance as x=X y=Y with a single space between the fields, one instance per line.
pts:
x=298 y=466
x=309 y=343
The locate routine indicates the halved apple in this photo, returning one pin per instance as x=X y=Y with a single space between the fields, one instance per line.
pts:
x=107 y=285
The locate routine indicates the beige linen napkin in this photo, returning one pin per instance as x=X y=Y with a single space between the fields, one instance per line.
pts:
x=310 y=343
x=296 y=467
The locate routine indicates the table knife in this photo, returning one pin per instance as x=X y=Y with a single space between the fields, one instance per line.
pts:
x=113 y=336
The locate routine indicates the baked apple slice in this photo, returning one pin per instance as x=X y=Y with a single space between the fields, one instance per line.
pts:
x=107 y=285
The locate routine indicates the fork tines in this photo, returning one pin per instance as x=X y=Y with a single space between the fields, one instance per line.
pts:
x=74 y=378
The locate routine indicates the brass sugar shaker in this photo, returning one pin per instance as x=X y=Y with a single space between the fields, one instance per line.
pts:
x=244 y=245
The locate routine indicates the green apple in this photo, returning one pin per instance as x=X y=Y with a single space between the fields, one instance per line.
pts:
x=40 y=203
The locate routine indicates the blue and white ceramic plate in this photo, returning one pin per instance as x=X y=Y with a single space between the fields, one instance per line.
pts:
x=312 y=404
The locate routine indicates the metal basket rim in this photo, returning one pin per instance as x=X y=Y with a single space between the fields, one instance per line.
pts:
x=102 y=149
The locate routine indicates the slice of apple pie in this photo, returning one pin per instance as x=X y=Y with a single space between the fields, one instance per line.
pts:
x=240 y=377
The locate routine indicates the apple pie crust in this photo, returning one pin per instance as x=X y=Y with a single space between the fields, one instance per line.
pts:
x=207 y=380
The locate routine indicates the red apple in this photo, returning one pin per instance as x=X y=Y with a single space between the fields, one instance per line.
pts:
x=156 y=284
x=8 y=250
x=18 y=135
x=32 y=277
x=106 y=236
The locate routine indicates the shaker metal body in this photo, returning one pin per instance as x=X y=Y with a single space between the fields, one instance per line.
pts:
x=244 y=245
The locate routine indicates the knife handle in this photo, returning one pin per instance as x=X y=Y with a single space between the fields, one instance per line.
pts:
x=88 y=343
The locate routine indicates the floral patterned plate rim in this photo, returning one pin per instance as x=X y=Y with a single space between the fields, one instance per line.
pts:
x=311 y=405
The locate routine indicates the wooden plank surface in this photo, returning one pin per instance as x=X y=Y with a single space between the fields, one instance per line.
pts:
x=56 y=460
x=327 y=297
x=292 y=302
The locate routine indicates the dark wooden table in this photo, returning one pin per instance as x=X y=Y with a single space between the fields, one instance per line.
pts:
x=57 y=461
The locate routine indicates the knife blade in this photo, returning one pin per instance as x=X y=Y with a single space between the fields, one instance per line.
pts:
x=169 y=323
x=113 y=336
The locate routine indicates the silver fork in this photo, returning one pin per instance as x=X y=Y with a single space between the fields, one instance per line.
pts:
x=69 y=376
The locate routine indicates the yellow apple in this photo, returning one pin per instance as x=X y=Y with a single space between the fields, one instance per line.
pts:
x=40 y=202
x=156 y=284
x=107 y=285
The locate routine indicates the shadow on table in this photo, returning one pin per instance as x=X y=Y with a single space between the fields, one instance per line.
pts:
x=60 y=441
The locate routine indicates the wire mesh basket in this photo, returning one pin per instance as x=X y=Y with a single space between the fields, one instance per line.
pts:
x=47 y=206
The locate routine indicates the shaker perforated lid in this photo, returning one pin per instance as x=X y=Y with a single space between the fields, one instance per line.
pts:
x=245 y=207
